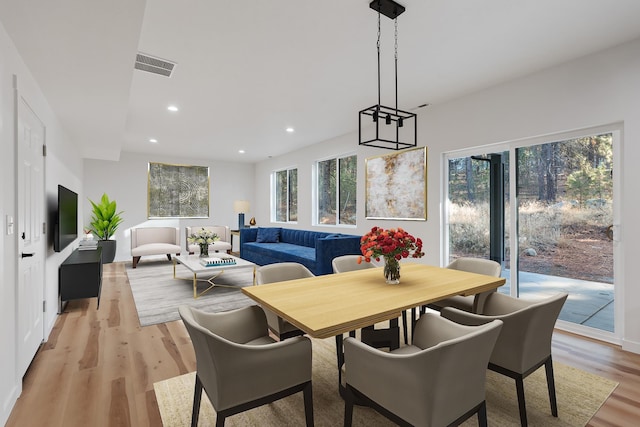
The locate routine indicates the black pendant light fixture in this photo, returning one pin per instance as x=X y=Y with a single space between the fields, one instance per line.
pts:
x=398 y=129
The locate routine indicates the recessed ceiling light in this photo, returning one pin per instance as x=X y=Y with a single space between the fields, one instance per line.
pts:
x=241 y=151
x=155 y=141
x=172 y=108
x=290 y=129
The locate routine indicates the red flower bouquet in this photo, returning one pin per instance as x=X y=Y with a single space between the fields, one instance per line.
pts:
x=392 y=245
x=395 y=243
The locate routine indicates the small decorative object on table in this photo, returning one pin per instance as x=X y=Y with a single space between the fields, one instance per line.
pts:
x=392 y=245
x=203 y=238
x=213 y=262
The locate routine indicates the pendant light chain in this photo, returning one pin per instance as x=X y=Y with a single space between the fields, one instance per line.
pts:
x=396 y=59
x=378 y=47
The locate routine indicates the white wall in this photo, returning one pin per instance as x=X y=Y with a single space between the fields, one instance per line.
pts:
x=125 y=181
x=62 y=166
x=596 y=90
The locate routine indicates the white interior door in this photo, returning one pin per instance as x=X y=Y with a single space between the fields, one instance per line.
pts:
x=30 y=236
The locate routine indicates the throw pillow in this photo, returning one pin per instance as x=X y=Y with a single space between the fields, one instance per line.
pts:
x=268 y=235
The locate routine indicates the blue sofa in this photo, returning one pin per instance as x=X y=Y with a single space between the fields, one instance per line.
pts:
x=313 y=249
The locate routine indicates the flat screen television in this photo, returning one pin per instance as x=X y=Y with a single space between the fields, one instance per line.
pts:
x=66 y=227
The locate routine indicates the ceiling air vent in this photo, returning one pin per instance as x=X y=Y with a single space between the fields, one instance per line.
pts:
x=154 y=65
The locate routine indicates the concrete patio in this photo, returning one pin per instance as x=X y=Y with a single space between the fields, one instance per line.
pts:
x=589 y=303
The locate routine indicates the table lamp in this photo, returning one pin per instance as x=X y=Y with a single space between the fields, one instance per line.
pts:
x=241 y=207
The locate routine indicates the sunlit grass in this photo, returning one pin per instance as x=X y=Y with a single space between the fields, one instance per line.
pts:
x=541 y=226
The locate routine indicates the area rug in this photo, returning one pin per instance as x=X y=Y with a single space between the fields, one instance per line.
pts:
x=579 y=395
x=158 y=295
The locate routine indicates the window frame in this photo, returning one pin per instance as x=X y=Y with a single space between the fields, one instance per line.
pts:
x=316 y=190
x=274 y=195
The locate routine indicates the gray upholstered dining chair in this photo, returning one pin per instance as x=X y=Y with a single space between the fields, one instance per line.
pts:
x=346 y=263
x=524 y=344
x=439 y=380
x=281 y=272
x=240 y=366
x=470 y=303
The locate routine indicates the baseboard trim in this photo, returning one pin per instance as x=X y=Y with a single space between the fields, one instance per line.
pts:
x=10 y=401
x=631 y=346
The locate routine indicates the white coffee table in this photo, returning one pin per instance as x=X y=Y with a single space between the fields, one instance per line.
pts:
x=192 y=263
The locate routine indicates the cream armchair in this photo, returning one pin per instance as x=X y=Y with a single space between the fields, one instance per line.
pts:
x=437 y=381
x=240 y=366
x=154 y=241
x=222 y=245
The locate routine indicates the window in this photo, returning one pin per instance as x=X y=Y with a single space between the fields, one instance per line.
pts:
x=285 y=195
x=336 y=190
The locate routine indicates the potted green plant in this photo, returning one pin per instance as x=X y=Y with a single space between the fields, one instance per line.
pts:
x=104 y=223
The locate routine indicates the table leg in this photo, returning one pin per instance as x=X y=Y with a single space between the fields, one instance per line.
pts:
x=385 y=337
x=195 y=286
x=340 y=358
x=195 y=281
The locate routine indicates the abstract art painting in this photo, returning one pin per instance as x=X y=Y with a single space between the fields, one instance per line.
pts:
x=178 y=191
x=396 y=185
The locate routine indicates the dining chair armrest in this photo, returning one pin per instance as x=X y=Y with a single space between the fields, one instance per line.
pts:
x=432 y=329
x=465 y=317
x=256 y=364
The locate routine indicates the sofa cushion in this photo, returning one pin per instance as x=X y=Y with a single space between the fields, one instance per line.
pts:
x=156 y=249
x=268 y=235
x=301 y=237
x=284 y=251
x=217 y=246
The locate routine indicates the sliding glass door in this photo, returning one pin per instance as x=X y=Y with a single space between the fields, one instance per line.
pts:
x=565 y=219
x=478 y=199
x=558 y=229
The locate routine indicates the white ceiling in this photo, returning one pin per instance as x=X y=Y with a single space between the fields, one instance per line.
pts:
x=247 y=69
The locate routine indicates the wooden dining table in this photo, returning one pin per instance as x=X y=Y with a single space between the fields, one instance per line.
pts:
x=334 y=304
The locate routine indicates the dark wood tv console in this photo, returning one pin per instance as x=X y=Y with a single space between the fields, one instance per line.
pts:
x=80 y=276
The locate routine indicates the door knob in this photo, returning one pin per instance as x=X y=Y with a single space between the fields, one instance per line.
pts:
x=26 y=255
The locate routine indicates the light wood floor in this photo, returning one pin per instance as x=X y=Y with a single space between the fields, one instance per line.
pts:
x=98 y=366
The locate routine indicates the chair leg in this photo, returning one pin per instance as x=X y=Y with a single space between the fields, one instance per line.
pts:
x=135 y=261
x=551 y=386
x=308 y=404
x=521 y=403
x=169 y=257
x=348 y=406
x=197 y=396
x=404 y=327
x=482 y=415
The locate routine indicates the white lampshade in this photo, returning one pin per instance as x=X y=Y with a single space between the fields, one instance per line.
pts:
x=241 y=206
